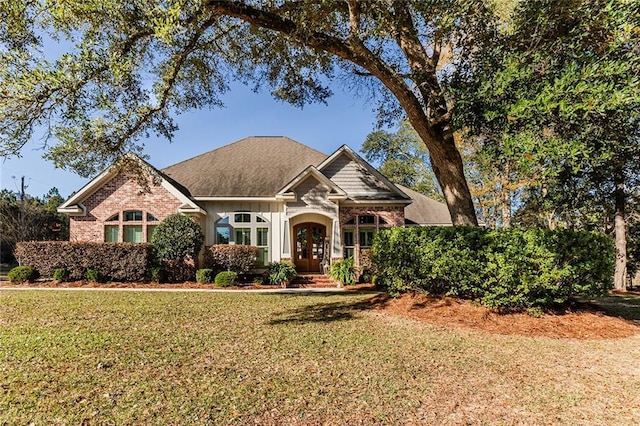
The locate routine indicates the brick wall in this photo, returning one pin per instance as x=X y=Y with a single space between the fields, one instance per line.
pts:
x=119 y=194
x=393 y=215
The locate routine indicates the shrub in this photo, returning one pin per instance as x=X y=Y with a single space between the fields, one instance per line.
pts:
x=343 y=271
x=177 y=237
x=513 y=268
x=281 y=273
x=115 y=261
x=94 y=276
x=157 y=274
x=225 y=278
x=60 y=274
x=237 y=258
x=21 y=274
x=204 y=276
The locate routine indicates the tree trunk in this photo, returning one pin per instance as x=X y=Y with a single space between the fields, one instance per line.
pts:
x=505 y=197
x=620 y=274
x=447 y=166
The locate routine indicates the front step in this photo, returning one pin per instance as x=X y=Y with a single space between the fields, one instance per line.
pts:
x=312 y=280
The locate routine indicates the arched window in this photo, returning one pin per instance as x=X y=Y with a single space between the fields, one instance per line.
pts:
x=130 y=226
x=245 y=228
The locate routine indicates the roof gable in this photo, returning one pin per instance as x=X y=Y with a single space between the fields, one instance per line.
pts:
x=358 y=178
x=287 y=192
x=73 y=205
x=257 y=166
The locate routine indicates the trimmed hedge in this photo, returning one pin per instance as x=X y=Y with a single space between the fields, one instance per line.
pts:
x=115 y=261
x=22 y=274
x=204 y=276
x=236 y=258
x=507 y=268
x=225 y=278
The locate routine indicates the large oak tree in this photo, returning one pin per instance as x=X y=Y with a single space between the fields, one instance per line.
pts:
x=129 y=66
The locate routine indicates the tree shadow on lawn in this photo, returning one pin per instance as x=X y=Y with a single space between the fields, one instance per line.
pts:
x=327 y=312
x=622 y=305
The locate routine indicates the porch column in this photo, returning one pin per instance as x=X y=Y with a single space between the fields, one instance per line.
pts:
x=336 y=240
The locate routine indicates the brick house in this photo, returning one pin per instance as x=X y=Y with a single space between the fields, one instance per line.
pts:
x=291 y=201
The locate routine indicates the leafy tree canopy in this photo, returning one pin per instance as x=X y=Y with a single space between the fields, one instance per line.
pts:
x=129 y=66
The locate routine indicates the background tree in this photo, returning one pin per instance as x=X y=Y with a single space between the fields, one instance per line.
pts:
x=403 y=158
x=35 y=219
x=564 y=84
x=135 y=63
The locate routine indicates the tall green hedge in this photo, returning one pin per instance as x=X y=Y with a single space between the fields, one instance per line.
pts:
x=512 y=268
x=115 y=261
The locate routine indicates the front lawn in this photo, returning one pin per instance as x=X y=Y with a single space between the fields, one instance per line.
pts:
x=78 y=357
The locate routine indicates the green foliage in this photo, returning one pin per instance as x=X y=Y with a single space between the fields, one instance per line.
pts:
x=21 y=274
x=115 y=261
x=34 y=220
x=94 y=276
x=237 y=258
x=281 y=273
x=225 y=278
x=60 y=274
x=343 y=271
x=157 y=274
x=403 y=158
x=204 y=276
x=514 y=269
x=177 y=237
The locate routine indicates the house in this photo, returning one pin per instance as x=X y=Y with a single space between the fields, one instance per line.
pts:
x=291 y=201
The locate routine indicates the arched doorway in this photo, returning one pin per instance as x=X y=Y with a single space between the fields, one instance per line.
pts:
x=309 y=246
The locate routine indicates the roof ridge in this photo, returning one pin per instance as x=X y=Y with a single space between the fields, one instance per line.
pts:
x=242 y=140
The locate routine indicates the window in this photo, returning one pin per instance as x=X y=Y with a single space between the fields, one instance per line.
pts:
x=111 y=233
x=366 y=237
x=150 y=230
x=135 y=226
x=245 y=228
x=366 y=219
x=243 y=236
x=263 y=246
x=242 y=217
x=349 y=243
x=133 y=215
x=132 y=234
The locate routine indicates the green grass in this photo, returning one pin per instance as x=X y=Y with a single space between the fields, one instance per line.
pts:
x=70 y=357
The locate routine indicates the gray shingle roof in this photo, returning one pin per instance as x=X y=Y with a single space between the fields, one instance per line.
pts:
x=425 y=210
x=256 y=166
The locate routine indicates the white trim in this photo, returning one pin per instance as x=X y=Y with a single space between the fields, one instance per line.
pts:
x=74 y=210
x=236 y=199
x=99 y=181
x=402 y=203
x=338 y=193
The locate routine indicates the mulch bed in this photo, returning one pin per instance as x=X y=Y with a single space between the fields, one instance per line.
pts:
x=583 y=321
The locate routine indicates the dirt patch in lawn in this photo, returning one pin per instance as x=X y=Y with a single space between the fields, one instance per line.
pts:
x=584 y=321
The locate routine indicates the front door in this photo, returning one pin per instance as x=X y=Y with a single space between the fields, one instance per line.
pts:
x=309 y=246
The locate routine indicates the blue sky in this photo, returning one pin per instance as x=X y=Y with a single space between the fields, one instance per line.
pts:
x=346 y=119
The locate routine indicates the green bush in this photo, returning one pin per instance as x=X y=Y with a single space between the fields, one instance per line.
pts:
x=94 y=276
x=237 y=258
x=281 y=273
x=177 y=237
x=204 y=276
x=157 y=274
x=60 y=274
x=512 y=268
x=343 y=271
x=225 y=278
x=125 y=262
x=22 y=274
